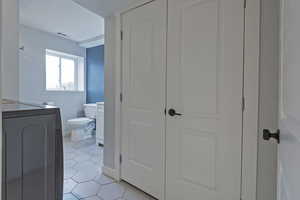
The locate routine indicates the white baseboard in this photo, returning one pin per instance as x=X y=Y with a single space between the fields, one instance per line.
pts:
x=110 y=172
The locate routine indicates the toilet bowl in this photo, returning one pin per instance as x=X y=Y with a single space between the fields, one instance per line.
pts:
x=82 y=128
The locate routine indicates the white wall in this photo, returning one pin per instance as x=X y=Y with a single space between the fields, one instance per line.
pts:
x=109 y=93
x=289 y=149
x=32 y=72
x=10 y=46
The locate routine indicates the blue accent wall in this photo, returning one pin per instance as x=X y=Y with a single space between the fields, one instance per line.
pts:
x=95 y=74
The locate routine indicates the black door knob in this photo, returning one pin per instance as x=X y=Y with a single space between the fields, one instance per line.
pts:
x=267 y=135
x=172 y=112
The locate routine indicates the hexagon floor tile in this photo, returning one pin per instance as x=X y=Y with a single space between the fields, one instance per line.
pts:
x=111 y=191
x=93 y=198
x=84 y=176
x=87 y=189
x=69 y=163
x=82 y=157
x=82 y=166
x=69 y=172
x=69 y=155
x=103 y=180
x=84 y=179
x=97 y=159
x=69 y=197
x=69 y=185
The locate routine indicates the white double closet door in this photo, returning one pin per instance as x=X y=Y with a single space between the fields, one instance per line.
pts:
x=185 y=55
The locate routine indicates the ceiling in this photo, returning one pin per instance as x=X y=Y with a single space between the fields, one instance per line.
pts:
x=64 y=16
x=105 y=7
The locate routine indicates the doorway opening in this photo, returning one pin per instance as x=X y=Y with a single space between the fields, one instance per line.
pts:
x=61 y=56
x=56 y=59
x=61 y=60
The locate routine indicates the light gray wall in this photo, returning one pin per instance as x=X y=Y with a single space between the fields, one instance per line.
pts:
x=10 y=46
x=289 y=149
x=109 y=92
x=32 y=72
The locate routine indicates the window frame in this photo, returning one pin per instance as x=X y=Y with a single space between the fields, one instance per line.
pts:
x=62 y=55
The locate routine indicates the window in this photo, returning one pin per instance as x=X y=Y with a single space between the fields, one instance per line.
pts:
x=64 y=72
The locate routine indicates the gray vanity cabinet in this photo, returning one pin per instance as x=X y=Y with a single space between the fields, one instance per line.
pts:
x=33 y=155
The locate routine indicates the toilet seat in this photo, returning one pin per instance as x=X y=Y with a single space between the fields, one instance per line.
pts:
x=84 y=127
x=80 y=128
x=80 y=121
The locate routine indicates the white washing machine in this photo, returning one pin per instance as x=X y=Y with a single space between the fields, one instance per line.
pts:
x=100 y=123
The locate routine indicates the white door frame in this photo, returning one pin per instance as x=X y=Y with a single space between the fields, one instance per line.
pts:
x=251 y=93
x=118 y=85
x=1 y=102
x=282 y=85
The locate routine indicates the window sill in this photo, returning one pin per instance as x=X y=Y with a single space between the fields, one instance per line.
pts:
x=63 y=91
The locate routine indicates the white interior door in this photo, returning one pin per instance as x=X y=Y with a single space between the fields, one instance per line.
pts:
x=205 y=85
x=143 y=119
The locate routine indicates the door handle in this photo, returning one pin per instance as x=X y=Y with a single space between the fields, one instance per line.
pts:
x=267 y=135
x=172 y=112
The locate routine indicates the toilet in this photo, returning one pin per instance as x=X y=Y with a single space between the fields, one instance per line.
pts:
x=82 y=128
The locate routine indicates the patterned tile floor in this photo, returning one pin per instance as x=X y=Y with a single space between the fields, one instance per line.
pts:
x=83 y=178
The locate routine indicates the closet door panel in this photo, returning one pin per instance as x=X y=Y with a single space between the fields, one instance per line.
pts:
x=204 y=85
x=143 y=78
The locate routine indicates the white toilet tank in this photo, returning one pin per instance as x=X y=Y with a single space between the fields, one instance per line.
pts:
x=90 y=110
